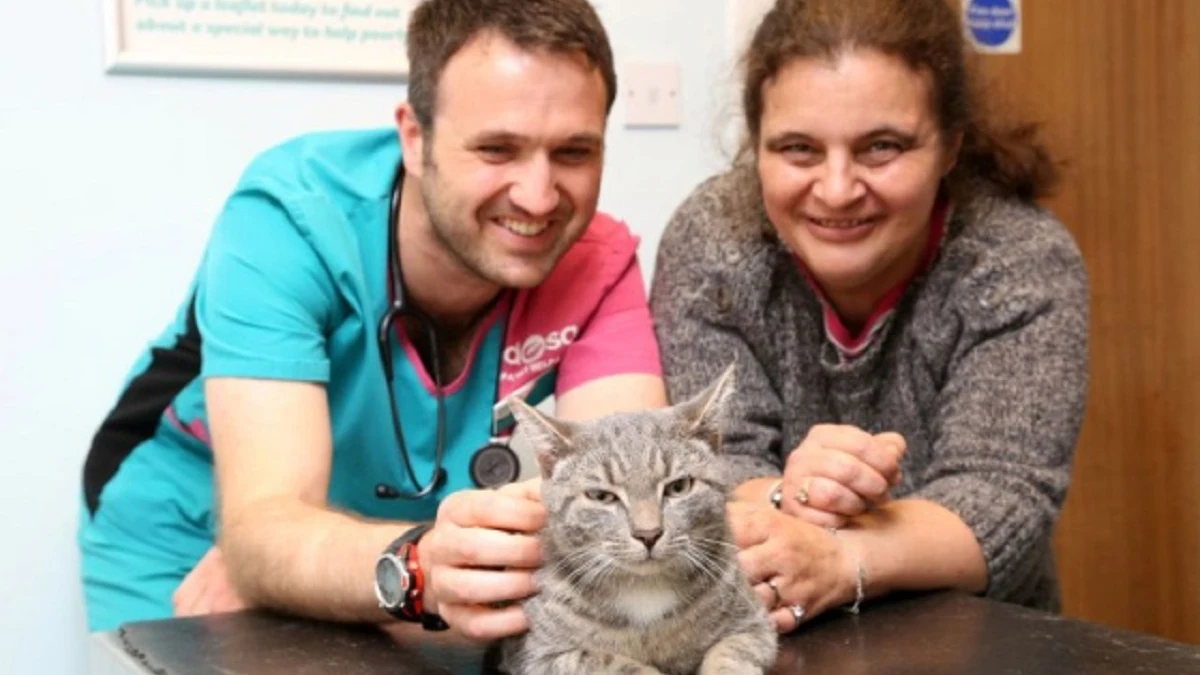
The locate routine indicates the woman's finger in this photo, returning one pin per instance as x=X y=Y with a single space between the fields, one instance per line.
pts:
x=822 y=519
x=785 y=618
x=762 y=562
x=845 y=469
x=822 y=494
x=749 y=523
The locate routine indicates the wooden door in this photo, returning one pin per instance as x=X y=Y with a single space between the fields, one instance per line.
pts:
x=1118 y=82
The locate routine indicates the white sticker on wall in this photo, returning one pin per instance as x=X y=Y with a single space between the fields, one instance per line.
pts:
x=993 y=26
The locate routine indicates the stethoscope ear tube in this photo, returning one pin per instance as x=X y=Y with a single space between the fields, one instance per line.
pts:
x=494 y=464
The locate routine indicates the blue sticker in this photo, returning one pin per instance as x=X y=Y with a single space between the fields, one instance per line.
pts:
x=991 y=22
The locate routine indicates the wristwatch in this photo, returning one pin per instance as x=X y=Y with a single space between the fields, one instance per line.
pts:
x=400 y=581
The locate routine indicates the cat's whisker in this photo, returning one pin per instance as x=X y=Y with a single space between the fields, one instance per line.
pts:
x=715 y=542
x=582 y=572
x=706 y=567
x=570 y=559
x=712 y=567
x=596 y=574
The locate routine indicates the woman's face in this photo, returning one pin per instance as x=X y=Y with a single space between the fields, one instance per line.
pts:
x=851 y=157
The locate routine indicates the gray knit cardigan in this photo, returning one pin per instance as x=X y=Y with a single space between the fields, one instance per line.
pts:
x=982 y=367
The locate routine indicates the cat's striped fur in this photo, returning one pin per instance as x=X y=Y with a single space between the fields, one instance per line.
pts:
x=640 y=574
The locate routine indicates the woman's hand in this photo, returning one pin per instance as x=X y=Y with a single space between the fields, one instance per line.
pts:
x=798 y=569
x=840 y=471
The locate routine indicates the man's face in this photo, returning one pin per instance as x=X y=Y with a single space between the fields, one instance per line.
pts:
x=510 y=174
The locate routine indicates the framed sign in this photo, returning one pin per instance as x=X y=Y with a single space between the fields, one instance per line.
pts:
x=354 y=39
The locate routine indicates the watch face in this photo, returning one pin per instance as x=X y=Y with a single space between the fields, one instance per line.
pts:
x=391 y=581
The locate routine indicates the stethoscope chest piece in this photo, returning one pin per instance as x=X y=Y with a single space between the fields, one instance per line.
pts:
x=494 y=464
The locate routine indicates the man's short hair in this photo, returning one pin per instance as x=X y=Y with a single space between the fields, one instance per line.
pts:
x=437 y=29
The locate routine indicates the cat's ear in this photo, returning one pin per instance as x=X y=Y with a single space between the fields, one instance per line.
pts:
x=704 y=413
x=549 y=437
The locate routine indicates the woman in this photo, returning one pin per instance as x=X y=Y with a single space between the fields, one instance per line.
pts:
x=910 y=328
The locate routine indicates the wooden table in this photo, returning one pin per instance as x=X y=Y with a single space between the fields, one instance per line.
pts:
x=924 y=635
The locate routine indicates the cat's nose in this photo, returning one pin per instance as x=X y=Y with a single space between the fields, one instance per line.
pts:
x=648 y=537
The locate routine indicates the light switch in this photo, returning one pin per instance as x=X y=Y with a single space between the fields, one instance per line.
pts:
x=652 y=96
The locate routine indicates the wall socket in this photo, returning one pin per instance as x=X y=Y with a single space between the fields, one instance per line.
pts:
x=652 y=95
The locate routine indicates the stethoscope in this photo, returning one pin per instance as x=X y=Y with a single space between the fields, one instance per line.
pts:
x=492 y=465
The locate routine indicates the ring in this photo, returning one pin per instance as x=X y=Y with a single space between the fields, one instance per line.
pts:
x=802 y=493
x=797 y=613
x=775 y=496
x=772 y=584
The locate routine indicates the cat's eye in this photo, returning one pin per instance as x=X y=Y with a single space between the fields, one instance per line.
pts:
x=602 y=496
x=679 y=486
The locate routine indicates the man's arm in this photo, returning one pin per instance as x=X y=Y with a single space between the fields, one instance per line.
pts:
x=284 y=547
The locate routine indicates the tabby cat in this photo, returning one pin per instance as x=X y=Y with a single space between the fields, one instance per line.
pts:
x=640 y=575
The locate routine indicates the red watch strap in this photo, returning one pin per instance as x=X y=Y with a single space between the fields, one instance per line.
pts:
x=414 y=605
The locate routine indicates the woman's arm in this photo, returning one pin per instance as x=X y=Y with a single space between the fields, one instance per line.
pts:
x=1009 y=413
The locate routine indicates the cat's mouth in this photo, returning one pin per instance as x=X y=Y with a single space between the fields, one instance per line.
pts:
x=652 y=561
x=647 y=565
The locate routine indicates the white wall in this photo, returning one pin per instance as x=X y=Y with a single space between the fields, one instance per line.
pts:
x=107 y=188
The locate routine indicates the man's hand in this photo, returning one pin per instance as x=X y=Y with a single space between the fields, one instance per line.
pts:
x=480 y=557
x=207 y=588
x=840 y=471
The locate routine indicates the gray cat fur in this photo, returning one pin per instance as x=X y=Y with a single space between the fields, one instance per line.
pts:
x=697 y=610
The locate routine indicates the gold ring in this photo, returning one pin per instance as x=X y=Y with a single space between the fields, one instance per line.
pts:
x=802 y=493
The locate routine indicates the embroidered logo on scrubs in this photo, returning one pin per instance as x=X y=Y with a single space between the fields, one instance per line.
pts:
x=537 y=353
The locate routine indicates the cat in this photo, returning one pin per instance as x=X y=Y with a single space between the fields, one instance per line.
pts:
x=640 y=574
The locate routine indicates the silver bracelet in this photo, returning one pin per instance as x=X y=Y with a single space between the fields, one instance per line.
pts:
x=860 y=580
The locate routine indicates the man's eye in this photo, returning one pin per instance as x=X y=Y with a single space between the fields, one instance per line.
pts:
x=574 y=155
x=494 y=150
x=601 y=496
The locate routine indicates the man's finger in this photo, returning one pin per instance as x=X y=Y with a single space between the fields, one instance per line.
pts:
x=466 y=586
x=484 y=624
x=479 y=547
x=493 y=509
x=527 y=489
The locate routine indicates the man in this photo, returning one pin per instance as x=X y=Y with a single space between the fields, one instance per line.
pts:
x=275 y=385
